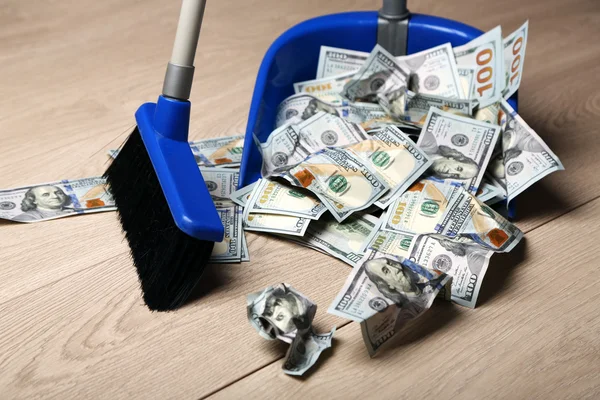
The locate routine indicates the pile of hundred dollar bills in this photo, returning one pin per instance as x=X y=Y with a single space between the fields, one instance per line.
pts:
x=390 y=164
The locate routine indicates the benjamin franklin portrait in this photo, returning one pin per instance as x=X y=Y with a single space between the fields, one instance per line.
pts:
x=285 y=310
x=392 y=279
x=448 y=163
x=42 y=202
x=401 y=286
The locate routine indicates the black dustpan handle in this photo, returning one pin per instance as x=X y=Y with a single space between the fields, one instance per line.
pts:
x=180 y=71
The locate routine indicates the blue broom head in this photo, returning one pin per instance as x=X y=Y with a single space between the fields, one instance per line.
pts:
x=164 y=127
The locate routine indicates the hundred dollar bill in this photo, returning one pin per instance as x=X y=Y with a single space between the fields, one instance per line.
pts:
x=241 y=196
x=396 y=243
x=467 y=80
x=305 y=350
x=485 y=52
x=380 y=73
x=336 y=61
x=271 y=197
x=53 y=200
x=325 y=130
x=468 y=217
x=222 y=152
x=221 y=182
x=417 y=107
x=230 y=249
x=384 y=294
x=270 y=223
x=280 y=312
x=461 y=258
x=514 y=58
x=300 y=107
x=342 y=240
x=434 y=72
x=395 y=158
x=282 y=150
x=525 y=157
x=340 y=179
x=461 y=147
x=448 y=209
x=421 y=207
x=326 y=89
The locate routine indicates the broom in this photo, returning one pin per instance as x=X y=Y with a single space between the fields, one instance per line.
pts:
x=165 y=209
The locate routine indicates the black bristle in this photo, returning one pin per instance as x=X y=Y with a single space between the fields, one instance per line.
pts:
x=168 y=261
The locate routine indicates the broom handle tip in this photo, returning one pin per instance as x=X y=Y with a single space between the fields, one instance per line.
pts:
x=188 y=31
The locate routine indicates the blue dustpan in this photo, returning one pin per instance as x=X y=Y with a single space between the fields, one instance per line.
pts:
x=294 y=55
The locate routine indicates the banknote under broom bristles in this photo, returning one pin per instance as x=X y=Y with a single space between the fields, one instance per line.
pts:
x=169 y=262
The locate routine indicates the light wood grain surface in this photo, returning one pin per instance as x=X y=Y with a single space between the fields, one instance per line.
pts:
x=72 y=324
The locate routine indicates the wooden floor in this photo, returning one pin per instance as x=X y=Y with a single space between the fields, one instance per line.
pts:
x=72 y=324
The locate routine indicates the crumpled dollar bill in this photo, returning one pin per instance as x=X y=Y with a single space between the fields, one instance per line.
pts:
x=395 y=157
x=460 y=147
x=447 y=208
x=340 y=179
x=281 y=312
x=381 y=73
x=384 y=294
x=524 y=158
